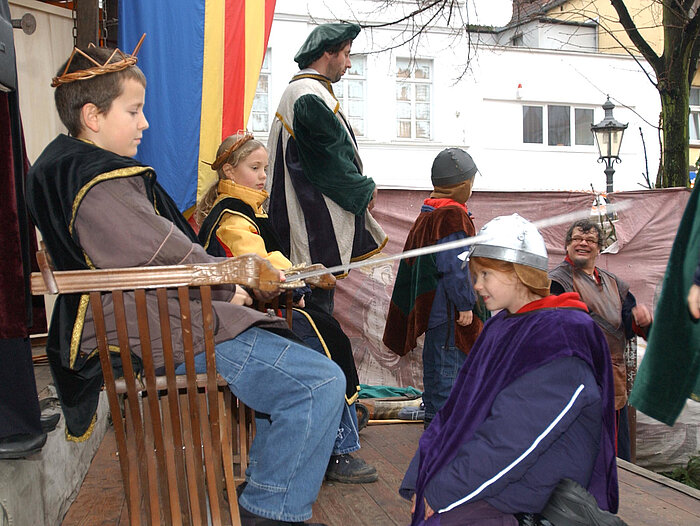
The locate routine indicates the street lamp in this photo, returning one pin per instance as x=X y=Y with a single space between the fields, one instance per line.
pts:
x=608 y=136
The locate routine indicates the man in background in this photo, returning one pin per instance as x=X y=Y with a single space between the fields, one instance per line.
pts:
x=611 y=304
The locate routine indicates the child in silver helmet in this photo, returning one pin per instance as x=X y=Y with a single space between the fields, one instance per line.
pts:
x=531 y=407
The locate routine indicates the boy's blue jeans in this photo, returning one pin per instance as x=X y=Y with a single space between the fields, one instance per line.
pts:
x=442 y=360
x=348 y=437
x=303 y=392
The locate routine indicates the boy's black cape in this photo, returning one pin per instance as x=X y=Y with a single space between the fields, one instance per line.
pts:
x=56 y=185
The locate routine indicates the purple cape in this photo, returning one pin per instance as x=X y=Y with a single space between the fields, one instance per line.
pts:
x=509 y=346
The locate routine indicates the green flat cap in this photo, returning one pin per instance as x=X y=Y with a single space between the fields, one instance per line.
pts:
x=323 y=37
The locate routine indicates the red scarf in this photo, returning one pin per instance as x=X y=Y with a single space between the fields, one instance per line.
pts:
x=438 y=202
x=568 y=299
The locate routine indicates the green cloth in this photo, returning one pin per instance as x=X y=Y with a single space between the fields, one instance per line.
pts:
x=415 y=277
x=323 y=37
x=327 y=155
x=385 y=391
x=670 y=370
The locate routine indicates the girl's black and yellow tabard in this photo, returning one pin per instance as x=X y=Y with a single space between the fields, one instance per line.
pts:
x=333 y=340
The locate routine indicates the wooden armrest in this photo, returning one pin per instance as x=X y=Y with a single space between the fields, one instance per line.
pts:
x=249 y=270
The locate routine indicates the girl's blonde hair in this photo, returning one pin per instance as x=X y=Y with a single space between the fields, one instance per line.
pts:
x=246 y=146
x=535 y=280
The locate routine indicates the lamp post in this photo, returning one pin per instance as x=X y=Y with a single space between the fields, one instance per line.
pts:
x=608 y=136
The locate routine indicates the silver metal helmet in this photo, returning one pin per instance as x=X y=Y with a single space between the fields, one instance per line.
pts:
x=512 y=238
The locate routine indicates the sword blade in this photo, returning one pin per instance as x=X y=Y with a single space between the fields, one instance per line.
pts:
x=460 y=243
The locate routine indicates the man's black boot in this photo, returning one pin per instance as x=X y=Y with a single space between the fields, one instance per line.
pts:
x=21 y=446
x=350 y=470
x=49 y=422
x=49 y=416
x=572 y=505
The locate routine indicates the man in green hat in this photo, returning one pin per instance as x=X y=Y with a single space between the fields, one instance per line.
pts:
x=320 y=201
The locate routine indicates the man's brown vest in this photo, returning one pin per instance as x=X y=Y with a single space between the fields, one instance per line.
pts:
x=604 y=301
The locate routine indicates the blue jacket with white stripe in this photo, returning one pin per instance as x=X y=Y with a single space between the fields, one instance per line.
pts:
x=532 y=438
x=532 y=405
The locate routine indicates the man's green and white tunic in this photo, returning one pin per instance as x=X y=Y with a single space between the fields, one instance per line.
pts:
x=318 y=195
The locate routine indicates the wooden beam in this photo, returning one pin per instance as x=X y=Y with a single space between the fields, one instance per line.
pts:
x=87 y=13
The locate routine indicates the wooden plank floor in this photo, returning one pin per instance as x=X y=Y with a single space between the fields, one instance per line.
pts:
x=645 y=498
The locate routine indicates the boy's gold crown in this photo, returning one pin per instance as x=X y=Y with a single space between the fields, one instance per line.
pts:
x=97 y=69
x=221 y=159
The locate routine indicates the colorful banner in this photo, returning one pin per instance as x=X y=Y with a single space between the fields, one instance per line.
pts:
x=202 y=60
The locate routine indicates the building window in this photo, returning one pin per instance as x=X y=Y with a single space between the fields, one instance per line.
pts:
x=260 y=115
x=559 y=125
x=532 y=124
x=694 y=119
x=351 y=92
x=583 y=119
x=413 y=98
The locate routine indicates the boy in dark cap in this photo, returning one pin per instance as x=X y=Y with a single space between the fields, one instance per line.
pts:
x=433 y=294
x=320 y=201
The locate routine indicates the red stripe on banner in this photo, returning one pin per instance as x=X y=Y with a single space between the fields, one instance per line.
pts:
x=269 y=14
x=234 y=68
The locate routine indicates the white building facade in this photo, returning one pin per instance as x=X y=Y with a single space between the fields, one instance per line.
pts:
x=523 y=113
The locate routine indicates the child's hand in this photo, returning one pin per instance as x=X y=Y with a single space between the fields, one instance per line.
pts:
x=372 y=201
x=465 y=318
x=268 y=295
x=428 y=510
x=694 y=301
x=241 y=297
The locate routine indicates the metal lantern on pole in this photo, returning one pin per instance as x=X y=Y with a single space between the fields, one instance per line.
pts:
x=608 y=136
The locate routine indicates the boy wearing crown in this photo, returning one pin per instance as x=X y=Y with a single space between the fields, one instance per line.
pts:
x=97 y=207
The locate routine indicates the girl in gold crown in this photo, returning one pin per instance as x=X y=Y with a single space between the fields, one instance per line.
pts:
x=232 y=223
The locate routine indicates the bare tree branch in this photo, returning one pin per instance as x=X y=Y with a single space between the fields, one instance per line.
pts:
x=637 y=39
x=413 y=14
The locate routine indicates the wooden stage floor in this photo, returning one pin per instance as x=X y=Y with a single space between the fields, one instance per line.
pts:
x=645 y=498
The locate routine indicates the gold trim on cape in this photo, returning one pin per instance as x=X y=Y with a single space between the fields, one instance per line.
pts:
x=350 y=400
x=218 y=219
x=365 y=256
x=88 y=431
x=77 y=333
x=114 y=174
x=323 y=80
x=286 y=126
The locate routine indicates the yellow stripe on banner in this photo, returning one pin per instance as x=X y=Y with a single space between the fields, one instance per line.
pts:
x=254 y=50
x=212 y=92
